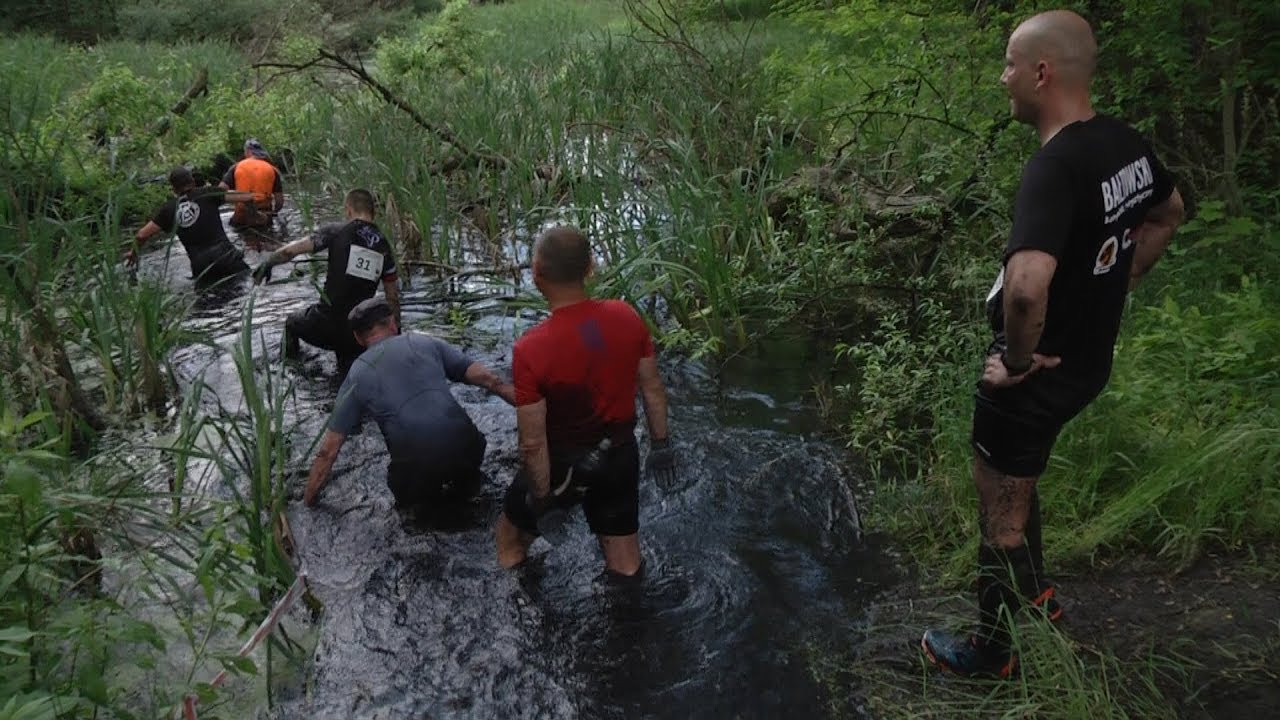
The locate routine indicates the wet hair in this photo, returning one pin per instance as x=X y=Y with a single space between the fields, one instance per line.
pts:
x=361 y=201
x=563 y=254
x=180 y=178
x=368 y=314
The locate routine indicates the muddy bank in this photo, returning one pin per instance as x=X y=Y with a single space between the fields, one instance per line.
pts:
x=1199 y=644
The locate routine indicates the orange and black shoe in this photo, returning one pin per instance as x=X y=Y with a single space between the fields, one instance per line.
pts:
x=964 y=655
x=1047 y=602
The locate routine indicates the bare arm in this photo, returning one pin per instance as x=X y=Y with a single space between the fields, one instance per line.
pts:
x=480 y=375
x=146 y=232
x=290 y=251
x=330 y=444
x=236 y=196
x=392 y=290
x=654 y=397
x=1152 y=237
x=277 y=201
x=531 y=427
x=224 y=185
x=1026 y=299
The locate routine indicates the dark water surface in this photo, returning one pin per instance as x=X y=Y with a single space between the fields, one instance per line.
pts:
x=752 y=573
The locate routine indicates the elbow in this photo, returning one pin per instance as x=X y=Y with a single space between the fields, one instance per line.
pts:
x=1022 y=303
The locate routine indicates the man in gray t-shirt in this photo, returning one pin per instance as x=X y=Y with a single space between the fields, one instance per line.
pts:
x=401 y=382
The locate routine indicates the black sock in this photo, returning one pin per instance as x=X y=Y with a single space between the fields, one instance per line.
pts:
x=1004 y=576
x=1035 y=546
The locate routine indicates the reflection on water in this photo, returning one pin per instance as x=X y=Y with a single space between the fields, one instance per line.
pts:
x=756 y=568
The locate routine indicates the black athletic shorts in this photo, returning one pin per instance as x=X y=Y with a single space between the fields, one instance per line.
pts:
x=321 y=326
x=1014 y=428
x=428 y=482
x=611 y=501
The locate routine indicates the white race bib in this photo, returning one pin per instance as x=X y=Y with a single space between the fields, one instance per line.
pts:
x=364 y=263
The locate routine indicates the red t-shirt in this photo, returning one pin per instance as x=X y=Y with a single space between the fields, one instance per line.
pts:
x=582 y=360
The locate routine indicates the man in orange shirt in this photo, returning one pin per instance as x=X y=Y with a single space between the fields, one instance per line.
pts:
x=254 y=174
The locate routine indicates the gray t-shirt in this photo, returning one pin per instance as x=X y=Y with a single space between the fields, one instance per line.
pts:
x=402 y=383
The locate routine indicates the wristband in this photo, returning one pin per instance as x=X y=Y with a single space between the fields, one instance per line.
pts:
x=1014 y=370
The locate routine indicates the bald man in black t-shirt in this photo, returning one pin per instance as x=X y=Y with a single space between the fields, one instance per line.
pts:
x=1094 y=211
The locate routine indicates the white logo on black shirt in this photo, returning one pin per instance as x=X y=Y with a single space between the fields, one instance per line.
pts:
x=188 y=213
x=1128 y=187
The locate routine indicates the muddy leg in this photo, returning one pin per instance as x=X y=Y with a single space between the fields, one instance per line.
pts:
x=621 y=553
x=1005 y=571
x=513 y=543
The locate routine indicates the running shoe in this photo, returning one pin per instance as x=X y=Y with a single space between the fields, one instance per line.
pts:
x=963 y=655
x=1048 y=603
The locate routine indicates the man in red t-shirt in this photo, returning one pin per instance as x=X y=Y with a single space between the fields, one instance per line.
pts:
x=575 y=376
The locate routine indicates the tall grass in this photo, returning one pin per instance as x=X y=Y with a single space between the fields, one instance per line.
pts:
x=1180 y=451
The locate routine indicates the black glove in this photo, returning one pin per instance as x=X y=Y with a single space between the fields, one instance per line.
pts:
x=662 y=464
x=262 y=273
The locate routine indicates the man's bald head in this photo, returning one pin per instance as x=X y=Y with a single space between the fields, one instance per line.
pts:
x=1064 y=40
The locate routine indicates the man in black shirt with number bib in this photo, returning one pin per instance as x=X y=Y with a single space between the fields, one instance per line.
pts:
x=359 y=257
x=193 y=213
x=1094 y=211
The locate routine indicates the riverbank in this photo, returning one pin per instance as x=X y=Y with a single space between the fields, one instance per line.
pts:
x=1138 y=640
x=747 y=182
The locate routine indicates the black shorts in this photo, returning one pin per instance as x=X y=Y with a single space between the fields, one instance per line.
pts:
x=422 y=481
x=1014 y=428
x=321 y=326
x=611 y=502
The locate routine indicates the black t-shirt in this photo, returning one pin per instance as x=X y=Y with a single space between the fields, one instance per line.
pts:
x=1081 y=196
x=359 y=258
x=194 y=215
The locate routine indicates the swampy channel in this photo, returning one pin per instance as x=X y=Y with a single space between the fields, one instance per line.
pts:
x=753 y=570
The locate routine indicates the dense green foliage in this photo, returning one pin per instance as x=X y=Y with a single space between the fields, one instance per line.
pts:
x=844 y=168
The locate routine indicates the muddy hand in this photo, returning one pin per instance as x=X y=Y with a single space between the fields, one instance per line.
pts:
x=995 y=375
x=662 y=464
x=262 y=273
x=131 y=258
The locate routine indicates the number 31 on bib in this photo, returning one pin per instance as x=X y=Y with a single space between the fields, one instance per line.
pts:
x=364 y=263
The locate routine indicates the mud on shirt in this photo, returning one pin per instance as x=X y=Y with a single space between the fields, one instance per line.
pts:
x=1081 y=197
x=583 y=361
x=359 y=258
x=194 y=215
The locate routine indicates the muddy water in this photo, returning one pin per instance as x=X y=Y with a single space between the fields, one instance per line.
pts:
x=751 y=572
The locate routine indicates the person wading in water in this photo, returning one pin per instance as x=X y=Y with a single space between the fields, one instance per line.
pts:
x=401 y=381
x=359 y=259
x=576 y=375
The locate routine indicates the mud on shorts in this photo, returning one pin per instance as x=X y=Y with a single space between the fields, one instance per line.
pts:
x=321 y=326
x=1014 y=428
x=431 y=481
x=611 y=501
